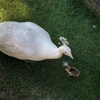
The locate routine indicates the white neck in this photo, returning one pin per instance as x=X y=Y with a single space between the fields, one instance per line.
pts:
x=57 y=53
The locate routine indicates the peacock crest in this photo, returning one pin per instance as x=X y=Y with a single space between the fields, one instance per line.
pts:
x=63 y=40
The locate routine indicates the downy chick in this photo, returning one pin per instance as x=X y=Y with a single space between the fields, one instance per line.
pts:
x=72 y=71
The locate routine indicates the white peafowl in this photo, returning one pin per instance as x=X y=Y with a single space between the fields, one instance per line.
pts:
x=28 y=41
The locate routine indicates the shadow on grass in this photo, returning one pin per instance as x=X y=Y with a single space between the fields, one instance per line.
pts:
x=46 y=80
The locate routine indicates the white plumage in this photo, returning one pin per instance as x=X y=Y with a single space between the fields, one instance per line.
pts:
x=28 y=41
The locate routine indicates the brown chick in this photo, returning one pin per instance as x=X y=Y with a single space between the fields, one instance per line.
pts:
x=72 y=71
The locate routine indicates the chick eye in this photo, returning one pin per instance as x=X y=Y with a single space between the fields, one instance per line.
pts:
x=65 y=52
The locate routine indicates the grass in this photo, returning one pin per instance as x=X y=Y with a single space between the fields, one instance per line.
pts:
x=48 y=80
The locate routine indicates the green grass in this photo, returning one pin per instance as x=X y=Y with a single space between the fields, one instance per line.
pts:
x=48 y=79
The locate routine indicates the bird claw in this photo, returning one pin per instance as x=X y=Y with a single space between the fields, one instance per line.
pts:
x=26 y=61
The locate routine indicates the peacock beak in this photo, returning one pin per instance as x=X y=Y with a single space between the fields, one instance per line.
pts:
x=71 y=56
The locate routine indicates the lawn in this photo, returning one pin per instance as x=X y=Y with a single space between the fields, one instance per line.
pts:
x=48 y=80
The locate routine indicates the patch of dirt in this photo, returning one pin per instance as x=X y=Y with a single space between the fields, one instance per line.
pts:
x=4 y=95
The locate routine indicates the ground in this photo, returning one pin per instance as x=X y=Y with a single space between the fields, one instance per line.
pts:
x=48 y=80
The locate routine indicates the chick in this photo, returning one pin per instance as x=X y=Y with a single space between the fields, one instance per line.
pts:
x=72 y=71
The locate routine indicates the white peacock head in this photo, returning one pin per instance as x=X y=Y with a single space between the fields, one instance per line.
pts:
x=66 y=49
